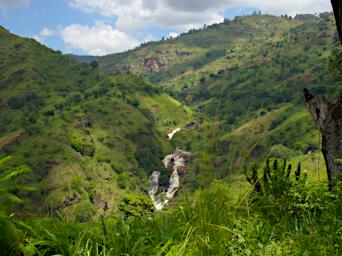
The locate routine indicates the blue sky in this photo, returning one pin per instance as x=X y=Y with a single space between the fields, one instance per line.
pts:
x=99 y=27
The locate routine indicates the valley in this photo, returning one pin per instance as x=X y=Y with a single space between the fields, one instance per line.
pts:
x=195 y=145
x=97 y=126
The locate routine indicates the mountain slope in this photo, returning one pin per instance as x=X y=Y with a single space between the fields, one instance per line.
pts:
x=273 y=57
x=91 y=134
x=239 y=71
x=87 y=136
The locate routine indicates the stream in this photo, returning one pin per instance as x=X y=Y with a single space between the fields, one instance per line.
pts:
x=176 y=164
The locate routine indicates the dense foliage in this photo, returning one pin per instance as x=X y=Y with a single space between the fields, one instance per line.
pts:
x=304 y=220
x=91 y=137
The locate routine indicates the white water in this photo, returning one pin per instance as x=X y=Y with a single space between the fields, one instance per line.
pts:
x=176 y=161
x=173 y=132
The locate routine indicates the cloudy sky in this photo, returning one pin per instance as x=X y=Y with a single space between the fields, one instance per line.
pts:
x=98 y=27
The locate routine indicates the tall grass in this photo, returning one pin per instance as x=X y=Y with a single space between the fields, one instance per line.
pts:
x=211 y=222
x=295 y=217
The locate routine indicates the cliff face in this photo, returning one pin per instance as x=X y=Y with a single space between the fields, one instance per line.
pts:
x=152 y=65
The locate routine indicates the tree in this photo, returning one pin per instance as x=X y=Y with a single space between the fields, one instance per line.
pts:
x=328 y=116
x=135 y=206
x=94 y=64
x=337 y=6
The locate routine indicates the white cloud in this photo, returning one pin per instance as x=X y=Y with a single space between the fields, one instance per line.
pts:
x=290 y=7
x=38 y=38
x=46 y=32
x=172 y=34
x=183 y=13
x=43 y=34
x=98 y=39
x=134 y=16
x=275 y=7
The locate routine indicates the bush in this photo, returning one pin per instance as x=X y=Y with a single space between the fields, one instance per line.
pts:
x=117 y=169
x=135 y=103
x=121 y=181
x=281 y=198
x=9 y=187
x=86 y=149
x=94 y=64
x=280 y=151
x=135 y=206
x=27 y=99
x=84 y=211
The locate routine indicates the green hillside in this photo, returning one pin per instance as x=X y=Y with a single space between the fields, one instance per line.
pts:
x=92 y=133
x=241 y=70
x=79 y=141
x=87 y=136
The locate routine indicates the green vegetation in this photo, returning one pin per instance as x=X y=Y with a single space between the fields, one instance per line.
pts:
x=247 y=69
x=67 y=120
x=135 y=206
x=93 y=132
x=9 y=237
x=303 y=220
x=83 y=148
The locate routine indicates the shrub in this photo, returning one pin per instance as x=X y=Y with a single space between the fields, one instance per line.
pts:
x=276 y=179
x=121 y=181
x=280 y=198
x=27 y=99
x=280 y=151
x=84 y=211
x=94 y=64
x=86 y=149
x=135 y=103
x=9 y=237
x=135 y=206
x=117 y=169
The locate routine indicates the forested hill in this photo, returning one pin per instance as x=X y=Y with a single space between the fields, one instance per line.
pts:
x=86 y=136
x=272 y=56
x=248 y=72
x=90 y=133
x=197 y=145
x=213 y=46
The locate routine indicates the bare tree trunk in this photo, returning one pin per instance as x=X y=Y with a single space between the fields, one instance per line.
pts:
x=337 y=6
x=328 y=118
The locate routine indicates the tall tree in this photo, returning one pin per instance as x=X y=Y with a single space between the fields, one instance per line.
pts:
x=328 y=116
x=337 y=6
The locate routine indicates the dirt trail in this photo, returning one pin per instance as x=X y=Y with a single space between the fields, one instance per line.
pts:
x=9 y=138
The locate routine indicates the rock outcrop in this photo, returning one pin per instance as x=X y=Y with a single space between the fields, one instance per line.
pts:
x=153 y=66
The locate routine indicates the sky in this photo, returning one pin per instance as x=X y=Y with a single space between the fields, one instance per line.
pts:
x=99 y=27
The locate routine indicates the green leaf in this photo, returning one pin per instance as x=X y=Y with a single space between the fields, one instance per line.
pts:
x=11 y=197
x=4 y=160
x=14 y=172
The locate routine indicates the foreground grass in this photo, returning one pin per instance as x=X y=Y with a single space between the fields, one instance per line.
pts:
x=303 y=221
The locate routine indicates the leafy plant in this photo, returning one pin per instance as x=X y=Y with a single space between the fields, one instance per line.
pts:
x=9 y=237
x=275 y=180
x=86 y=149
x=135 y=206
